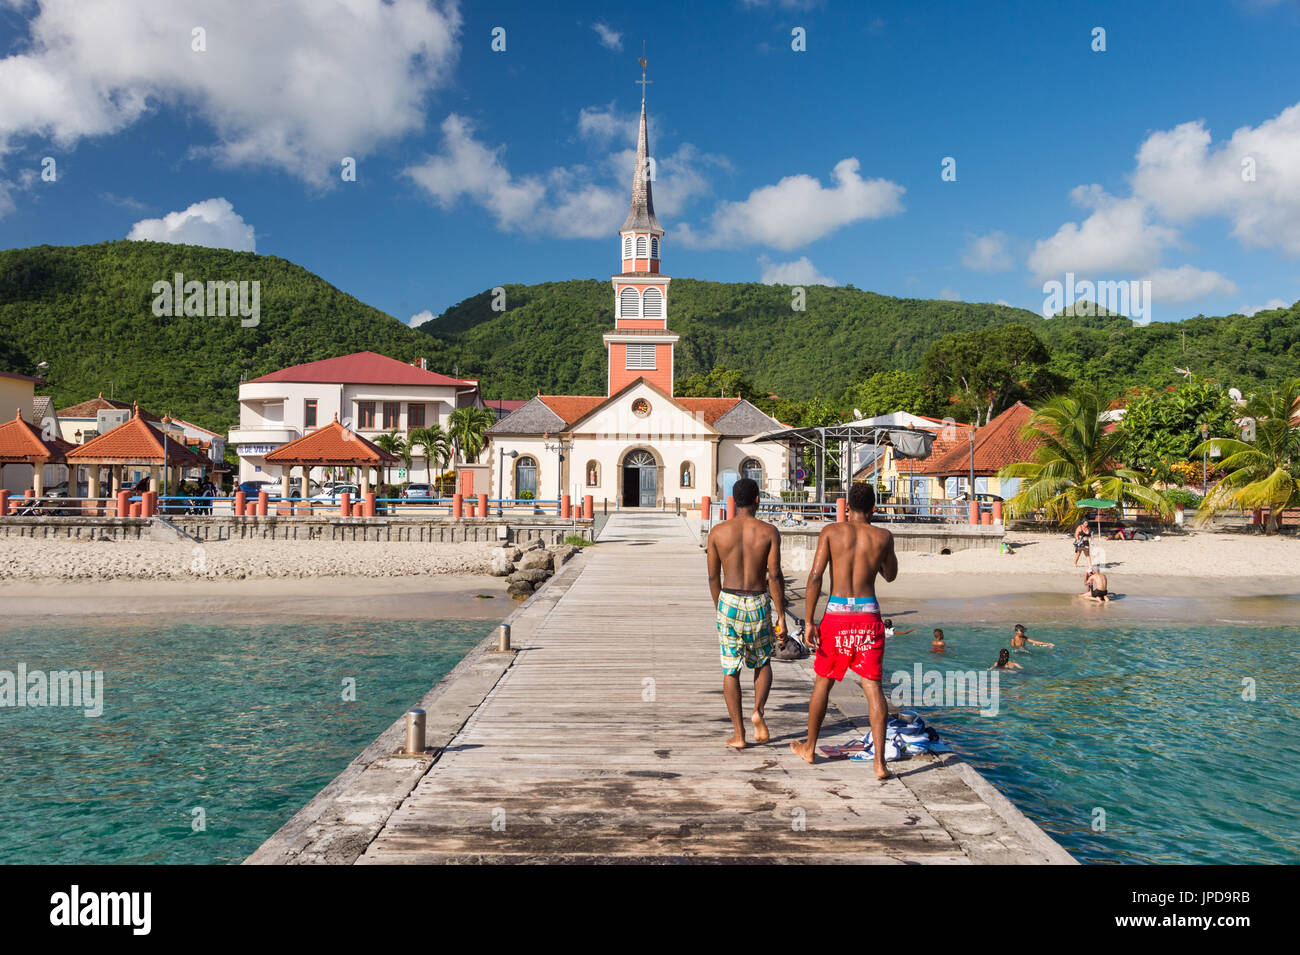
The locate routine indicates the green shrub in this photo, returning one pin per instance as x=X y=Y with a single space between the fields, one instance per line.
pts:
x=1176 y=496
x=577 y=540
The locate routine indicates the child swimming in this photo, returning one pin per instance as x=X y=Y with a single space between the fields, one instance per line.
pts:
x=938 y=645
x=890 y=632
x=1005 y=662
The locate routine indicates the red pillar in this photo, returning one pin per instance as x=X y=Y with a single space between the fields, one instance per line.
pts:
x=135 y=508
x=123 y=504
x=841 y=511
x=149 y=503
x=589 y=506
x=458 y=505
x=482 y=505
x=566 y=505
x=4 y=503
x=240 y=498
x=997 y=512
x=706 y=505
x=345 y=504
x=986 y=518
x=731 y=507
x=974 y=512
x=370 y=505
x=262 y=498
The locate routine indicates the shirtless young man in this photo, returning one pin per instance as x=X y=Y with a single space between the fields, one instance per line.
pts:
x=1096 y=583
x=745 y=555
x=851 y=635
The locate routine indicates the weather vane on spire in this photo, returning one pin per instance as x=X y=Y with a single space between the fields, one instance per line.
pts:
x=643 y=81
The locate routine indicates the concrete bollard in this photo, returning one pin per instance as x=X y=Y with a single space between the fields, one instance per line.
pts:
x=974 y=512
x=458 y=505
x=706 y=505
x=135 y=508
x=262 y=500
x=566 y=506
x=731 y=507
x=986 y=519
x=503 y=638
x=147 y=504
x=841 y=511
x=589 y=506
x=369 y=509
x=4 y=503
x=240 y=499
x=123 y=504
x=345 y=504
x=997 y=512
x=482 y=505
x=415 y=732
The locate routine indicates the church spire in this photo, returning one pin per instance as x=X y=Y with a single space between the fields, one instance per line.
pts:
x=641 y=214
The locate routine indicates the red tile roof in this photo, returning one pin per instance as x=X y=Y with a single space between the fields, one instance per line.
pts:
x=363 y=368
x=136 y=442
x=331 y=446
x=711 y=408
x=21 y=443
x=997 y=444
x=89 y=409
x=572 y=407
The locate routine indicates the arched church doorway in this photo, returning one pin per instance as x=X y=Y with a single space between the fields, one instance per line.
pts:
x=640 y=479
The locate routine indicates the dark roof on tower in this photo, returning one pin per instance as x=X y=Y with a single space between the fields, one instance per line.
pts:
x=641 y=214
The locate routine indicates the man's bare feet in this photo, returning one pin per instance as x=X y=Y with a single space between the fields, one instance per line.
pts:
x=761 y=735
x=882 y=773
x=804 y=750
x=736 y=742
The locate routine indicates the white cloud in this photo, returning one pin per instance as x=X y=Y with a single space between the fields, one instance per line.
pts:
x=610 y=39
x=798 y=210
x=1187 y=284
x=419 y=318
x=297 y=86
x=952 y=295
x=6 y=200
x=577 y=201
x=1002 y=301
x=799 y=272
x=1268 y=306
x=1184 y=178
x=213 y=223
x=1119 y=236
x=987 y=253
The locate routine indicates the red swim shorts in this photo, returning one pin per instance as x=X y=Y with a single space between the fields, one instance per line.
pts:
x=850 y=641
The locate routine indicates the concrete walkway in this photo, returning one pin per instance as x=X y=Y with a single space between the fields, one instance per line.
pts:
x=603 y=742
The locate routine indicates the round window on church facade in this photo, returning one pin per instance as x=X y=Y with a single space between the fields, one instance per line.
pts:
x=641 y=408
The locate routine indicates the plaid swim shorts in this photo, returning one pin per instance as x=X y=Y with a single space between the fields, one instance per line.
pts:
x=744 y=631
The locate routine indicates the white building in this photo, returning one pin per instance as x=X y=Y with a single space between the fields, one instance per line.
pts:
x=637 y=445
x=368 y=393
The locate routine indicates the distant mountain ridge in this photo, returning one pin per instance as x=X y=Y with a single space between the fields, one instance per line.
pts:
x=87 y=311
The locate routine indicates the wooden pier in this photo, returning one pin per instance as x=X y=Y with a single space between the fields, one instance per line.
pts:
x=603 y=741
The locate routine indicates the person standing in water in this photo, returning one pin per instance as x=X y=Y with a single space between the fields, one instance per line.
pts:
x=744 y=557
x=1083 y=543
x=851 y=635
x=1019 y=638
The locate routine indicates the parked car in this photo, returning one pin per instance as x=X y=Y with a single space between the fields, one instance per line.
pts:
x=421 y=491
x=253 y=488
x=334 y=491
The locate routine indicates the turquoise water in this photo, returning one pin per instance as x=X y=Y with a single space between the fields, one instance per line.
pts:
x=1144 y=722
x=245 y=721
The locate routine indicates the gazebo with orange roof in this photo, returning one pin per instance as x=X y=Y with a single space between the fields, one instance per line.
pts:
x=22 y=443
x=332 y=446
x=135 y=443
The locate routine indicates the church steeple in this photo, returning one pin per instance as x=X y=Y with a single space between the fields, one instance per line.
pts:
x=641 y=346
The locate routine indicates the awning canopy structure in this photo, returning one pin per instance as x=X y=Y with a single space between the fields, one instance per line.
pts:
x=22 y=443
x=332 y=446
x=136 y=442
x=906 y=442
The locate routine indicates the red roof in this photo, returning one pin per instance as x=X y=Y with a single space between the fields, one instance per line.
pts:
x=91 y=408
x=711 y=408
x=997 y=444
x=331 y=446
x=363 y=368
x=136 y=442
x=572 y=407
x=21 y=443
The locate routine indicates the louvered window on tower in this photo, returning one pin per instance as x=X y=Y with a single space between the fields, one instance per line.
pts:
x=652 y=305
x=640 y=247
x=627 y=247
x=629 y=303
x=641 y=356
x=654 y=247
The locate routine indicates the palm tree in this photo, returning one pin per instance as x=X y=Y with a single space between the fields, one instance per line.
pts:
x=468 y=428
x=436 y=445
x=1265 y=471
x=1076 y=458
x=395 y=444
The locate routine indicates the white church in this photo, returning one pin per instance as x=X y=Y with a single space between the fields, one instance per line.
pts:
x=637 y=445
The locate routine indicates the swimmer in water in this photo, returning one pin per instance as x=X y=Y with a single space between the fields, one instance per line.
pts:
x=891 y=632
x=1005 y=662
x=938 y=645
x=1019 y=639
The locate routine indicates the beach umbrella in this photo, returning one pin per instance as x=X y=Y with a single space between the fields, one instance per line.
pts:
x=1098 y=504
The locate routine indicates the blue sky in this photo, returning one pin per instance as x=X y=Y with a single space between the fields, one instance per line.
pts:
x=478 y=167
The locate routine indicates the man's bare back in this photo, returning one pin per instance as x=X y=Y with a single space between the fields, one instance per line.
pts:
x=744 y=548
x=857 y=552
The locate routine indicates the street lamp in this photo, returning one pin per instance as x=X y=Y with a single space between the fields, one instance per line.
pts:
x=501 y=478
x=561 y=446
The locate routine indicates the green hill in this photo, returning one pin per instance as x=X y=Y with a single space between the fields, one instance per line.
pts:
x=87 y=311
